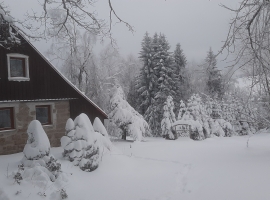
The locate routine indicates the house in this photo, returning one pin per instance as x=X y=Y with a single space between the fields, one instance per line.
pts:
x=32 y=88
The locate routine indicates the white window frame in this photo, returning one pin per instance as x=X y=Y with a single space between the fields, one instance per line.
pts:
x=26 y=58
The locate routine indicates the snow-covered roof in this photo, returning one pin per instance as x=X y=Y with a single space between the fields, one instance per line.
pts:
x=71 y=84
x=59 y=99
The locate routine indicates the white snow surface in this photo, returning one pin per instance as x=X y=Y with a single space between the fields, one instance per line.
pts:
x=213 y=169
x=38 y=144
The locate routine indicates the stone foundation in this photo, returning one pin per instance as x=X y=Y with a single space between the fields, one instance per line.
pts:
x=13 y=141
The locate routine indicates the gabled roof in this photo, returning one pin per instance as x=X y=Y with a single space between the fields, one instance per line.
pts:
x=56 y=70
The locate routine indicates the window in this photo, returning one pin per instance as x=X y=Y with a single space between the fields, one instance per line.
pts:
x=43 y=114
x=18 y=67
x=6 y=119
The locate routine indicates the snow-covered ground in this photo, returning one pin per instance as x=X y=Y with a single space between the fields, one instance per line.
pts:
x=158 y=169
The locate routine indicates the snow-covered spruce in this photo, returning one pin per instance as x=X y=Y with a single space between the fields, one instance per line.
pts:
x=129 y=121
x=182 y=110
x=99 y=127
x=168 y=119
x=38 y=164
x=102 y=135
x=38 y=144
x=80 y=143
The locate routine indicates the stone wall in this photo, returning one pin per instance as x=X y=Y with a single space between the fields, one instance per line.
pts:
x=13 y=141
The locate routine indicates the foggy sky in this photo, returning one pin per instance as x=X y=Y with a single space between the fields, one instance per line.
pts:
x=196 y=24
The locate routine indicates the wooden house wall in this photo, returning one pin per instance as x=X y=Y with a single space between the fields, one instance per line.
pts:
x=45 y=83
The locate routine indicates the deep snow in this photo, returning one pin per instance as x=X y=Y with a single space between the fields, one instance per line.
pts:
x=158 y=169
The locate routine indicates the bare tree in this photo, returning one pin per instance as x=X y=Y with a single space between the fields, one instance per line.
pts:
x=75 y=54
x=249 y=39
x=56 y=17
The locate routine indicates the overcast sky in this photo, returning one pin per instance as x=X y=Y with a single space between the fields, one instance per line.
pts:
x=196 y=24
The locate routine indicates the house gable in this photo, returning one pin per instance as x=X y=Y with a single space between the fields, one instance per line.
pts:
x=45 y=83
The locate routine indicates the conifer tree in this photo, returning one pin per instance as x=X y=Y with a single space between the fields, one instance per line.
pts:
x=132 y=96
x=182 y=82
x=166 y=80
x=168 y=119
x=214 y=79
x=146 y=81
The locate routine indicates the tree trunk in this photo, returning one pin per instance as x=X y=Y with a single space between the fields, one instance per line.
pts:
x=124 y=135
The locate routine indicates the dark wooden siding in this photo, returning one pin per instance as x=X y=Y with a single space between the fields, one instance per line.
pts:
x=45 y=83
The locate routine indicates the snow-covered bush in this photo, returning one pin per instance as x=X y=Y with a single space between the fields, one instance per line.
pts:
x=101 y=134
x=227 y=127
x=99 y=127
x=129 y=121
x=38 y=144
x=168 y=119
x=245 y=128
x=196 y=132
x=80 y=143
x=38 y=164
x=216 y=129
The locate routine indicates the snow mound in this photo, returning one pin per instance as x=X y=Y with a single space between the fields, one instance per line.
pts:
x=38 y=144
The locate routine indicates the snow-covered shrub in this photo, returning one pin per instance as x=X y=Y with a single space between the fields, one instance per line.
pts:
x=216 y=129
x=80 y=143
x=129 y=121
x=38 y=144
x=99 y=127
x=168 y=119
x=206 y=127
x=196 y=132
x=18 y=178
x=227 y=127
x=38 y=164
x=102 y=134
x=63 y=194
x=245 y=129
x=59 y=195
